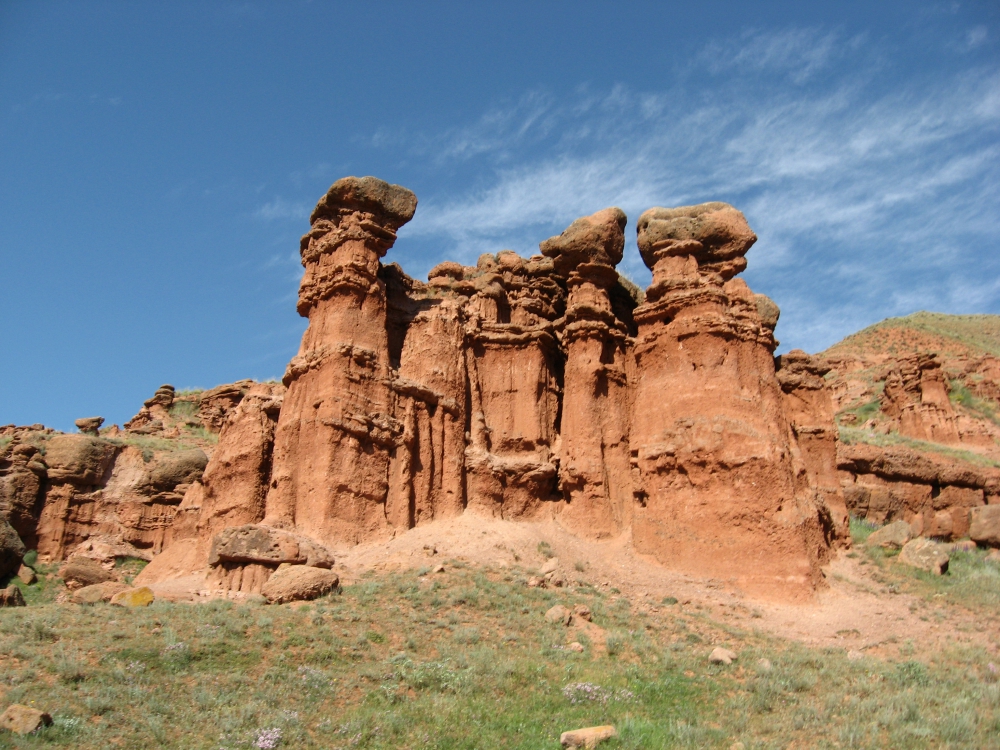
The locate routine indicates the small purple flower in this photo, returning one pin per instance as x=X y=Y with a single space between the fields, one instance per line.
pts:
x=268 y=739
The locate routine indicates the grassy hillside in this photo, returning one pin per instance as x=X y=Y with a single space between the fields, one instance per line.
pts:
x=465 y=660
x=955 y=335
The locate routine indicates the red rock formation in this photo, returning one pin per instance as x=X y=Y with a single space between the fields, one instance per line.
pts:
x=934 y=493
x=522 y=388
x=709 y=438
x=809 y=410
x=594 y=471
x=337 y=430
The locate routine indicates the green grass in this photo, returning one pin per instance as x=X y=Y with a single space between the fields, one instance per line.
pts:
x=961 y=395
x=4 y=442
x=980 y=333
x=851 y=435
x=972 y=581
x=463 y=660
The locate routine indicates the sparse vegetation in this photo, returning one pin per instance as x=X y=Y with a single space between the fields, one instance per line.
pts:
x=972 y=334
x=962 y=396
x=972 y=581
x=852 y=435
x=464 y=660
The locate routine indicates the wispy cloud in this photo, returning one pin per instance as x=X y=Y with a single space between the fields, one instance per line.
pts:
x=858 y=191
x=278 y=208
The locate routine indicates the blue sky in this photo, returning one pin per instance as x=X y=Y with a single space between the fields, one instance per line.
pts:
x=158 y=162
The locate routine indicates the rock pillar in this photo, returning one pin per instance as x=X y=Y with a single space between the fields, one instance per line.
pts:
x=594 y=466
x=713 y=476
x=336 y=431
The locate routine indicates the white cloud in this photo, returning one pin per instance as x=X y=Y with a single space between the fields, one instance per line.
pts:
x=279 y=208
x=870 y=199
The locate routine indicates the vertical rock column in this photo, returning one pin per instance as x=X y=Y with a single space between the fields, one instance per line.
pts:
x=594 y=466
x=336 y=430
x=713 y=474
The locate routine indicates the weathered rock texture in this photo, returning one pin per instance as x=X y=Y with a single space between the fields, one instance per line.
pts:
x=917 y=399
x=526 y=388
x=714 y=476
x=112 y=493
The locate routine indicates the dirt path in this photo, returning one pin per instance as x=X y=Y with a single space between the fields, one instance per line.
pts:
x=854 y=612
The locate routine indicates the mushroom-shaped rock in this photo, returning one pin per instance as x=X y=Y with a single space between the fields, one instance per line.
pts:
x=89 y=425
x=598 y=238
x=393 y=204
x=713 y=233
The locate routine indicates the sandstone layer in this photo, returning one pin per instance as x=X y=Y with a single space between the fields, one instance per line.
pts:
x=527 y=388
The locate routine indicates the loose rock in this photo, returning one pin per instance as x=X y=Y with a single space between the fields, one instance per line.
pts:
x=23 y=719
x=549 y=567
x=926 y=555
x=27 y=575
x=559 y=613
x=721 y=655
x=297 y=583
x=99 y=592
x=589 y=737
x=985 y=525
x=82 y=571
x=893 y=535
x=582 y=611
x=11 y=597
x=140 y=597
x=576 y=646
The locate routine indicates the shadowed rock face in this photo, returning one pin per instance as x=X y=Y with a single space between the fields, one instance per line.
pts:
x=526 y=388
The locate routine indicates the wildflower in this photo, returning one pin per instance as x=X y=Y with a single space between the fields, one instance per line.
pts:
x=267 y=739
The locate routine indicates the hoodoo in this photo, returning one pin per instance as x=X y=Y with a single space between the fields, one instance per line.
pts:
x=529 y=388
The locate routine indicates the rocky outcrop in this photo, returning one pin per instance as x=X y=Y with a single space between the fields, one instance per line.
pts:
x=809 y=410
x=519 y=388
x=524 y=388
x=594 y=473
x=933 y=493
x=714 y=477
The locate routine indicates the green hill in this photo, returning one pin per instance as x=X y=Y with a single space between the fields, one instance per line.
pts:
x=961 y=335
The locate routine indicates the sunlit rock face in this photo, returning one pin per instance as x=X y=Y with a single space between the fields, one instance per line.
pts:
x=541 y=387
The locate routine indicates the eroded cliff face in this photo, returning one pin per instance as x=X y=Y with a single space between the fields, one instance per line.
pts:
x=525 y=388
x=714 y=476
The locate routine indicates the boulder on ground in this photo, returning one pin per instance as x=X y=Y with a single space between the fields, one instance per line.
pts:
x=549 y=567
x=138 y=597
x=893 y=535
x=26 y=574
x=11 y=597
x=589 y=737
x=99 y=592
x=985 y=525
x=583 y=612
x=559 y=614
x=11 y=548
x=82 y=571
x=721 y=655
x=926 y=555
x=23 y=719
x=298 y=582
x=267 y=546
